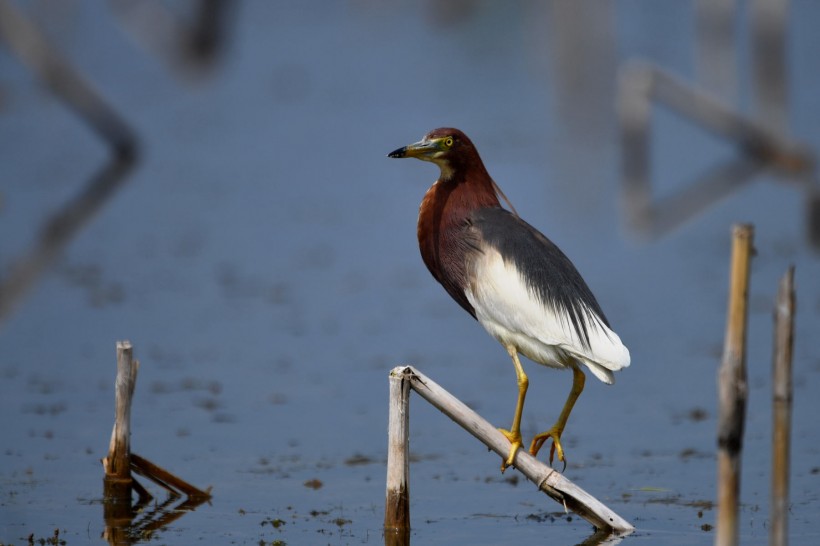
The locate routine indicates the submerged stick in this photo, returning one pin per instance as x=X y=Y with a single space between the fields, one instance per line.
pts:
x=782 y=408
x=733 y=389
x=168 y=481
x=547 y=479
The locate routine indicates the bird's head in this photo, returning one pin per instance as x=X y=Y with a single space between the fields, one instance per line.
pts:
x=448 y=148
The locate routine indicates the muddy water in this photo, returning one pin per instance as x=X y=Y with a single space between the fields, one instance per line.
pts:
x=262 y=259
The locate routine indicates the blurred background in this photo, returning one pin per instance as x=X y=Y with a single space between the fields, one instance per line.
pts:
x=209 y=180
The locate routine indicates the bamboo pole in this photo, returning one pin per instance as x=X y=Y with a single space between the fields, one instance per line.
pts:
x=547 y=479
x=397 y=508
x=782 y=408
x=117 y=463
x=733 y=389
x=117 y=483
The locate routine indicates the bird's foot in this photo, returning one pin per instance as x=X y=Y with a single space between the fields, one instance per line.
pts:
x=515 y=443
x=555 y=448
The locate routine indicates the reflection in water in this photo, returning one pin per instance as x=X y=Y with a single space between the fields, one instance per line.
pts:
x=768 y=20
x=192 y=48
x=397 y=537
x=59 y=230
x=763 y=140
x=31 y=46
x=641 y=85
x=128 y=524
x=598 y=538
x=716 y=47
x=602 y=537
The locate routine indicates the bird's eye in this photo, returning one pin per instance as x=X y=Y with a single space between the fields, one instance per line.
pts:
x=448 y=141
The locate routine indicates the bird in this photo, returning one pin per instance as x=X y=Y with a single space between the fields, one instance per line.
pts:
x=511 y=278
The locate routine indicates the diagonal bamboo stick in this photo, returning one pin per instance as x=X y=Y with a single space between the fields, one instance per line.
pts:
x=171 y=483
x=549 y=480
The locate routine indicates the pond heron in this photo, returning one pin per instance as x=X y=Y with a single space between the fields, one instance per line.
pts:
x=517 y=283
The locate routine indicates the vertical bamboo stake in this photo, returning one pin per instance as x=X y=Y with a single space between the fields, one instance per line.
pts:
x=117 y=464
x=733 y=389
x=397 y=505
x=782 y=408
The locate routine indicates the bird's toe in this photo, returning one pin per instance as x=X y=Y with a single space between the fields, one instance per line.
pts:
x=555 y=449
x=515 y=442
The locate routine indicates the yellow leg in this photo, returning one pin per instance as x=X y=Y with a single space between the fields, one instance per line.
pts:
x=578 y=380
x=514 y=434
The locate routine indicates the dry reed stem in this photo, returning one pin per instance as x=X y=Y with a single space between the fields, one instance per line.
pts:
x=782 y=408
x=733 y=389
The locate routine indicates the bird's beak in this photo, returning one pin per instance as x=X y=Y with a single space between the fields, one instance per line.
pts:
x=423 y=149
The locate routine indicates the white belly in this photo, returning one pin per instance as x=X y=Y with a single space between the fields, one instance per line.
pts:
x=514 y=315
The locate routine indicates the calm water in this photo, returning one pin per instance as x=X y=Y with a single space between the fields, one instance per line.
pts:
x=262 y=259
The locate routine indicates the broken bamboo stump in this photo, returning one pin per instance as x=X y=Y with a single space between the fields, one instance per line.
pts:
x=119 y=483
x=733 y=388
x=547 y=479
x=397 y=503
x=117 y=464
x=782 y=408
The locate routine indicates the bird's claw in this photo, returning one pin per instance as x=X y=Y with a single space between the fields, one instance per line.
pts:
x=555 y=448
x=515 y=443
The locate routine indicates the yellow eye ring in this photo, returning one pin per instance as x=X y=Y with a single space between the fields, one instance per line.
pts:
x=448 y=141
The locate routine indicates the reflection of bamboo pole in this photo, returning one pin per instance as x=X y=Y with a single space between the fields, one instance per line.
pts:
x=716 y=47
x=768 y=22
x=30 y=45
x=782 y=408
x=733 y=389
x=549 y=480
x=759 y=141
x=45 y=60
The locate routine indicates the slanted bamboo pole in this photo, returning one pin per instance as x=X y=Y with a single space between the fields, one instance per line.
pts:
x=547 y=479
x=733 y=389
x=782 y=408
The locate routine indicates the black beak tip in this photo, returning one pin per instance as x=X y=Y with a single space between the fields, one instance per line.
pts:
x=401 y=152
